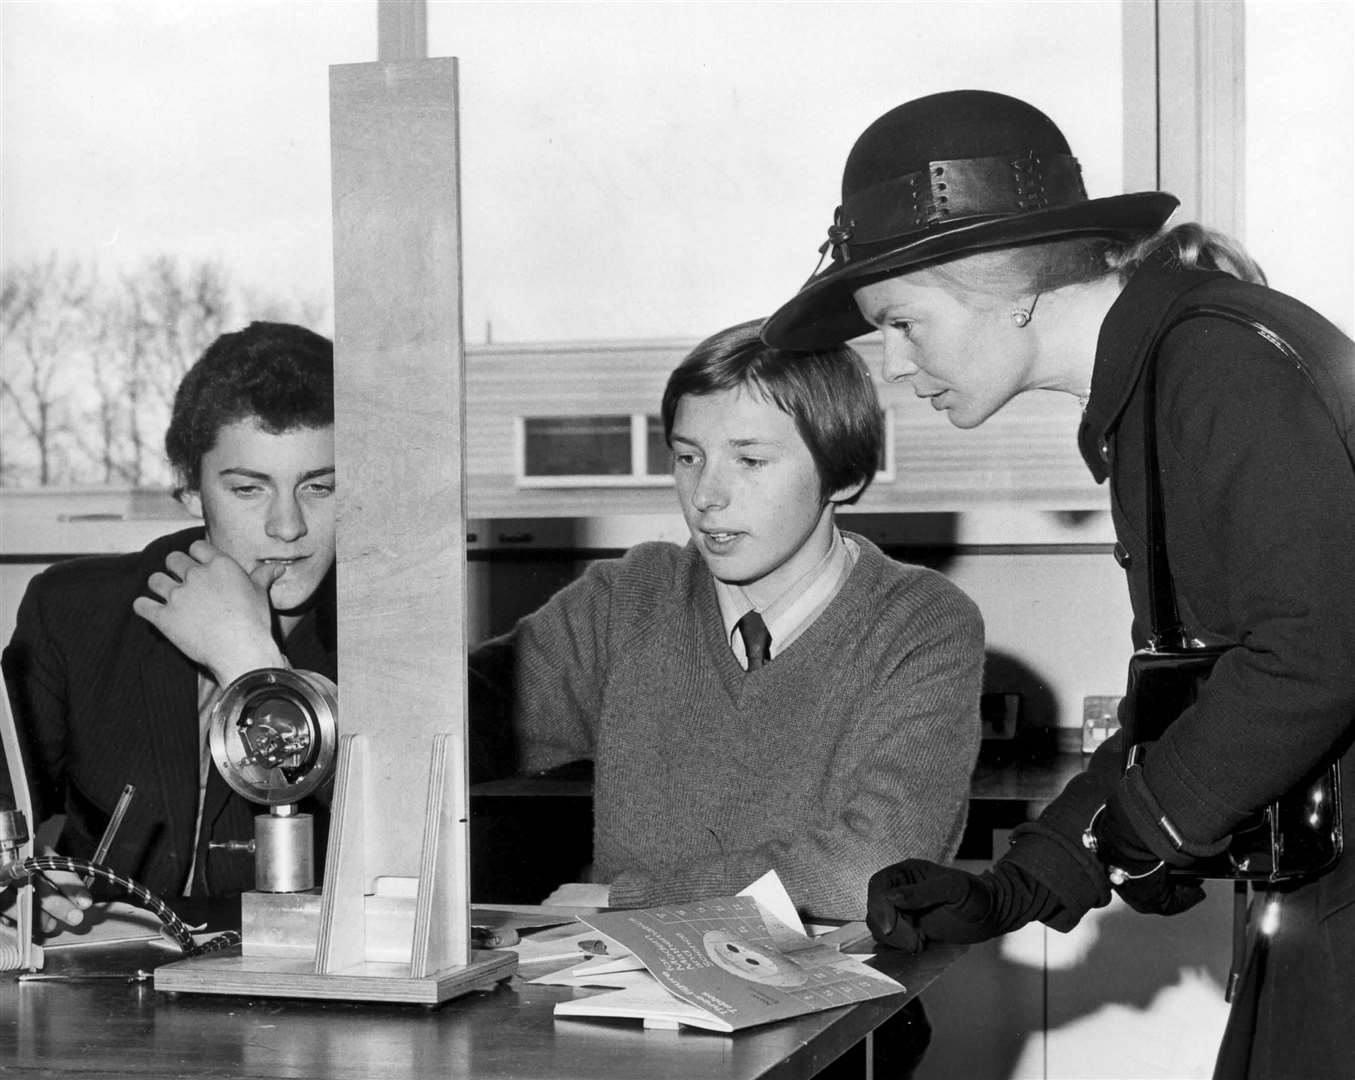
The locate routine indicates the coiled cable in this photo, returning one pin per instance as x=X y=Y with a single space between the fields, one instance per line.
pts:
x=174 y=926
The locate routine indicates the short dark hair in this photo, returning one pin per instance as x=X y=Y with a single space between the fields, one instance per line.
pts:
x=828 y=392
x=279 y=374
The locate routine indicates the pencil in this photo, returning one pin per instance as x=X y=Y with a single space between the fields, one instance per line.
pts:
x=114 y=823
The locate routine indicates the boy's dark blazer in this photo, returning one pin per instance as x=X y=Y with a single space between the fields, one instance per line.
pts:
x=102 y=699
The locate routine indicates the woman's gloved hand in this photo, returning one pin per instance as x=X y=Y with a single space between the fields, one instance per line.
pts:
x=915 y=902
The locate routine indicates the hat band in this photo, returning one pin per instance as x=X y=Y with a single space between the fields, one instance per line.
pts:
x=949 y=191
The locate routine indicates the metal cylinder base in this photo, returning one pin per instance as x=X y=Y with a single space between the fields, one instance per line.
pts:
x=284 y=853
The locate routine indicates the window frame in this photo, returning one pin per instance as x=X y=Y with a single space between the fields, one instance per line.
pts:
x=639 y=476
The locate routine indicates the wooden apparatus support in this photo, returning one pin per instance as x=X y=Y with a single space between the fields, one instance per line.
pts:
x=17 y=950
x=392 y=921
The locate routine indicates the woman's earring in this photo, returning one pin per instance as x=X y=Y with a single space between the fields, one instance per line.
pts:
x=1021 y=315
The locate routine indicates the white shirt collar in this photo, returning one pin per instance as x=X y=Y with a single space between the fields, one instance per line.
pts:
x=795 y=610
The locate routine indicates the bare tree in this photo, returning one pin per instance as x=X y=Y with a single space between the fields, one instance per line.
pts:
x=106 y=432
x=43 y=308
x=88 y=371
x=171 y=315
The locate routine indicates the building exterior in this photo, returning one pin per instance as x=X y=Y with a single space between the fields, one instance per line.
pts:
x=572 y=430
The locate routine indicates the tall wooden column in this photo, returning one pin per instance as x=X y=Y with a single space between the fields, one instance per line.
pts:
x=394 y=912
x=399 y=392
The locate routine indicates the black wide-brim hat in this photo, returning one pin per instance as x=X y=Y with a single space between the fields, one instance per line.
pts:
x=942 y=176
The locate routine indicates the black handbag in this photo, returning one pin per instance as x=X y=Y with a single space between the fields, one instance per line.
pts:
x=1298 y=835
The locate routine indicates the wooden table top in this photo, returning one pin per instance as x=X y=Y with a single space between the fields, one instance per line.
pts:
x=112 y=1027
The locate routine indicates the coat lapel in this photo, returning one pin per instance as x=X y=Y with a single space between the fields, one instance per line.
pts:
x=169 y=691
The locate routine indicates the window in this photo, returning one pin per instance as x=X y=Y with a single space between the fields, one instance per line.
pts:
x=658 y=459
x=1299 y=166
x=884 y=474
x=588 y=213
x=589 y=451
x=604 y=451
x=576 y=446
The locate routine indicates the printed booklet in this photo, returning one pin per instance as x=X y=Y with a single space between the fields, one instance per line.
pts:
x=714 y=964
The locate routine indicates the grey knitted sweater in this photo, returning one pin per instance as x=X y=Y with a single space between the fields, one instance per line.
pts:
x=852 y=749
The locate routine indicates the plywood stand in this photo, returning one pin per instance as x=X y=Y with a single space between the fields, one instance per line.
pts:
x=344 y=943
x=391 y=922
x=17 y=951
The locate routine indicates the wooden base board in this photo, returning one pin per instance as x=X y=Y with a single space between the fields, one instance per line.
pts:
x=281 y=977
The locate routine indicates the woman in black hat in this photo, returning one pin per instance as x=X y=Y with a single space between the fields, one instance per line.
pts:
x=966 y=238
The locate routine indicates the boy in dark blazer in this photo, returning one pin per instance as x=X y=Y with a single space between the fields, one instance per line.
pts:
x=116 y=661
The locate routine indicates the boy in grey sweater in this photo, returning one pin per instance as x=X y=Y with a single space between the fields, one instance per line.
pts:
x=774 y=695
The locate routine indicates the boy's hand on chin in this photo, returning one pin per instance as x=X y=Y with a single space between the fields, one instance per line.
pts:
x=213 y=612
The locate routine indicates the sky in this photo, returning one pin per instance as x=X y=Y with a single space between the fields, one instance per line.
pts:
x=642 y=170
x=628 y=170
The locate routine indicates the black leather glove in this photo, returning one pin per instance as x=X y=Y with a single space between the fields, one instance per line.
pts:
x=1142 y=880
x=916 y=901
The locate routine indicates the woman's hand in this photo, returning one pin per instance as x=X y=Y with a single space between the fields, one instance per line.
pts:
x=915 y=901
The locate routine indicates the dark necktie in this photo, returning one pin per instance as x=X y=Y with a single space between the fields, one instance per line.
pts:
x=757 y=642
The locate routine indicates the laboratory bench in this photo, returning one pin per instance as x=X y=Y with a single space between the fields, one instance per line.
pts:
x=85 y=1018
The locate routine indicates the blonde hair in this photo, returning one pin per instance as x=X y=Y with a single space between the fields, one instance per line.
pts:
x=1194 y=247
x=986 y=278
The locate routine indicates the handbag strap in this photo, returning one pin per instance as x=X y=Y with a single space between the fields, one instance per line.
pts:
x=1167 y=630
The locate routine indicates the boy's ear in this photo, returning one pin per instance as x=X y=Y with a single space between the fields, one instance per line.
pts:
x=191 y=501
x=841 y=495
